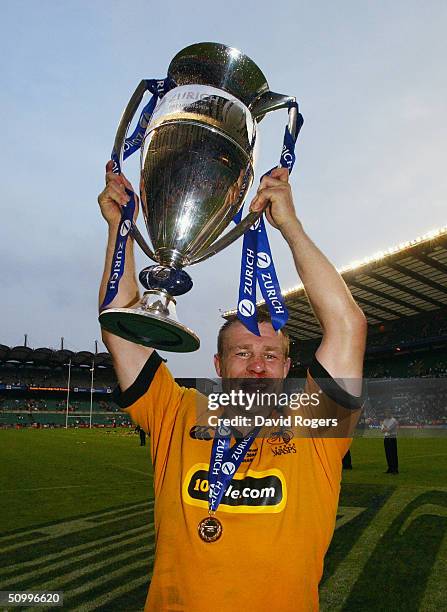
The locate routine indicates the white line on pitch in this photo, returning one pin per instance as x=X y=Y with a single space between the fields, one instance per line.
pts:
x=92 y=517
x=128 y=469
x=58 y=582
x=66 y=528
x=93 y=583
x=99 y=602
x=410 y=457
x=115 y=574
x=10 y=569
x=96 y=485
x=56 y=566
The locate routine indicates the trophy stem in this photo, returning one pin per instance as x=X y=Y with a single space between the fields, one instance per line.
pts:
x=152 y=323
x=159 y=302
x=172 y=281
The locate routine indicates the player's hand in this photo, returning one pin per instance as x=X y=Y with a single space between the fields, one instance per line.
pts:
x=114 y=196
x=274 y=197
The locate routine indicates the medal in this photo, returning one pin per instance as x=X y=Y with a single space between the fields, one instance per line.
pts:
x=210 y=529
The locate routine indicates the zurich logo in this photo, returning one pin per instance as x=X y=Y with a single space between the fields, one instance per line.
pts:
x=264 y=260
x=228 y=468
x=125 y=227
x=223 y=431
x=246 y=308
x=255 y=225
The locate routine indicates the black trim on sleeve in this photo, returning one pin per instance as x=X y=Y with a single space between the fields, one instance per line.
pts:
x=332 y=389
x=141 y=384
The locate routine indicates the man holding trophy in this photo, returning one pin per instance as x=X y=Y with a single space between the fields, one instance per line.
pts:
x=232 y=526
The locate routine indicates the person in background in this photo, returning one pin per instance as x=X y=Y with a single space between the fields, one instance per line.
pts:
x=142 y=433
x=347 y=461
x=389 y=427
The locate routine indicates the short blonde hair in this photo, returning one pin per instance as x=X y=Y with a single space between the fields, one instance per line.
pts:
x=262 y=318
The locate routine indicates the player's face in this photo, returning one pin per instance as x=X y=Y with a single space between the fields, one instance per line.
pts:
x=248 y=356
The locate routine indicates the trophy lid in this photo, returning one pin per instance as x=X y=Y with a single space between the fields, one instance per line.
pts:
x=220 y=66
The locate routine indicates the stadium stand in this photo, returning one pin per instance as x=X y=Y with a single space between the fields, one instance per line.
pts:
x=34 y=389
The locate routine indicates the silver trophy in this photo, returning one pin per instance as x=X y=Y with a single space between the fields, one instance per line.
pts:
x=197 y=161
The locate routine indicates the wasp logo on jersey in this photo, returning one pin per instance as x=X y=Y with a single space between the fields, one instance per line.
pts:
x=282 y=436
x=281 y=443
x=251 y=492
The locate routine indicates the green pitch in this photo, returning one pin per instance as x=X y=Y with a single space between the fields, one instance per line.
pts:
x=77 y=516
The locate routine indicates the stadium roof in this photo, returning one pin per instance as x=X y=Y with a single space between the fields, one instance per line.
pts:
x=403 y=281
x=47 y=356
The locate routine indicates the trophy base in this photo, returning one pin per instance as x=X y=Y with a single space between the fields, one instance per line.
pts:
x=151 y=324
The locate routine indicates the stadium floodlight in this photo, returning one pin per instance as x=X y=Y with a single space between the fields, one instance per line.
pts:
x=392 y=250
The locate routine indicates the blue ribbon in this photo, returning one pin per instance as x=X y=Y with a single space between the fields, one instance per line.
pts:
x=224 y=464
x=257 y=262
x=131 y=144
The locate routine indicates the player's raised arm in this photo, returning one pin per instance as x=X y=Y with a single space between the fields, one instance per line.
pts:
x=343 y=323
x=128 y=358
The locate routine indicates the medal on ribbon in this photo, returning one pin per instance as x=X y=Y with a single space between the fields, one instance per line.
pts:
x=224 y=464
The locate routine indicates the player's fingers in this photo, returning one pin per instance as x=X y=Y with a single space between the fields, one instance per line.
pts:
x=261 y=200
x=106 y=197
x=117 y=193
x=281 y=174
x=115 y=183
x=111 y=177
x=271 y=181
x=268 y=214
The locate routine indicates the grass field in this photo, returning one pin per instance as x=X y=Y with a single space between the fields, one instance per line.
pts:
x=77 y=515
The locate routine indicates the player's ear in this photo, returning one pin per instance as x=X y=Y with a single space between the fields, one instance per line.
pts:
x=218 y=365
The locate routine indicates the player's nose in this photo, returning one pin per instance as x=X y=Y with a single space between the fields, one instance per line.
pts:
x=256 y=365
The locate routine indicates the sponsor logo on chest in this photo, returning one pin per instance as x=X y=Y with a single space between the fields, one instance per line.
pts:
x=252 y=491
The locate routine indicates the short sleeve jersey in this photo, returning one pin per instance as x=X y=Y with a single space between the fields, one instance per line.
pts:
x=278 y=512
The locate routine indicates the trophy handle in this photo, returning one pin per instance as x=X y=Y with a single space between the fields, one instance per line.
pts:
x=137 y=236
x=126 y=118
x=118 y=149
x=227 y=238
x=271 y=101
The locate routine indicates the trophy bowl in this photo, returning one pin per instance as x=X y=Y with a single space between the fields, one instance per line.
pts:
x=197 y=165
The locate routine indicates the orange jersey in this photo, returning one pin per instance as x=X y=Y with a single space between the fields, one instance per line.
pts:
x=278 y=513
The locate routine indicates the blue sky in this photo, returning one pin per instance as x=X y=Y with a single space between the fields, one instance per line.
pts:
x=370 y=80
